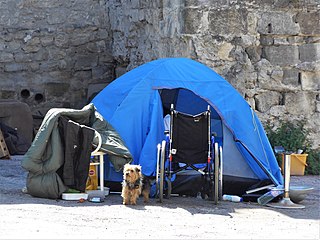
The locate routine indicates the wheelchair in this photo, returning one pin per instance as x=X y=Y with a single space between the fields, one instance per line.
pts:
x=189 y=145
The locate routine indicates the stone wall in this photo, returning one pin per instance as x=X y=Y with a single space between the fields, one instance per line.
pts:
x=269 y=50
x=57 y=53
x=52 y=51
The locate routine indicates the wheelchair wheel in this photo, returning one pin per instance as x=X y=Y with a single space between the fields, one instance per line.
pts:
x=216 y=173
x=220 y=173
x=168 y=189
x=162 y=170
x=158 y=169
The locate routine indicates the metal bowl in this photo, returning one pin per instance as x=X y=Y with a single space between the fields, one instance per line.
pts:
x=299 y=193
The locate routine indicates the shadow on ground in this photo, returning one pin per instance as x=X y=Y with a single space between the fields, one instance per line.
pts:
x=13 y=178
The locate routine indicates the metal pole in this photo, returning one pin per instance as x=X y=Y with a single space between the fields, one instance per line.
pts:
x=286 y=201
x=287 y=164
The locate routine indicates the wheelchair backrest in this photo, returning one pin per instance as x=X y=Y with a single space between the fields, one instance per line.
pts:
x=190 y=137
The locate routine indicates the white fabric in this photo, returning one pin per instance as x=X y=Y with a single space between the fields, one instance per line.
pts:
x=166 y=122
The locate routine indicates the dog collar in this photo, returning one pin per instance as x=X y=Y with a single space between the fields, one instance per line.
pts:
x=134 y=185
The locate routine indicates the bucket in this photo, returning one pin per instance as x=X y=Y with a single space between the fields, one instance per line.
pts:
x=298 y=164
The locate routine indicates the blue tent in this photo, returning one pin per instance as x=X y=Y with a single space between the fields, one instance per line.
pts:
x=134 y=105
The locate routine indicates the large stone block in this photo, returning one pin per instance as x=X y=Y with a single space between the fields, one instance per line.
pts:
x=228 y=21
x=46 y=41
x=277 y=111
x=309 y=22
x=15 y=67
x=105 y=57
x=282 y=55
x=277 y=23
x=6 y=57
x=309 y=52
x=299 y=103
x=309 y=66
x=291 y=77
x=86 y=61
x=102 y=72
x=57 y=89
x=23 y=57
x=61 y=39
x=82 y=75
x=310 y=81
x=12 y=46
x=32 y=44
x=80 y=38
x=266 y=100
x=57 y=16
x=96 y=47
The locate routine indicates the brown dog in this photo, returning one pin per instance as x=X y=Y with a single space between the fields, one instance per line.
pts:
x=134 y=184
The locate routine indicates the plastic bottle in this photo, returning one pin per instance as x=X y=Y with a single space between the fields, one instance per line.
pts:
x=232 y=198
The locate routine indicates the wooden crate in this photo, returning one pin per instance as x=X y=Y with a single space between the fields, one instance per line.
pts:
x=4 y=152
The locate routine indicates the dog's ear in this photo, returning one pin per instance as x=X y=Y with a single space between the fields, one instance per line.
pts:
x=138 y=168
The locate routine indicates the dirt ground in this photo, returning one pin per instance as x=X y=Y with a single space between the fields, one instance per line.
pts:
x=27 y=217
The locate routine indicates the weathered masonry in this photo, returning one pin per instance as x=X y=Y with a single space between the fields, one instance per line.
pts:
x=60 y=53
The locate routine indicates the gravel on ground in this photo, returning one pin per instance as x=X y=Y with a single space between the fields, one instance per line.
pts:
x=27 y=217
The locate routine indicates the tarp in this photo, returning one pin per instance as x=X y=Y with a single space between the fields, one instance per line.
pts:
x=46 y=155
x=133 y=106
